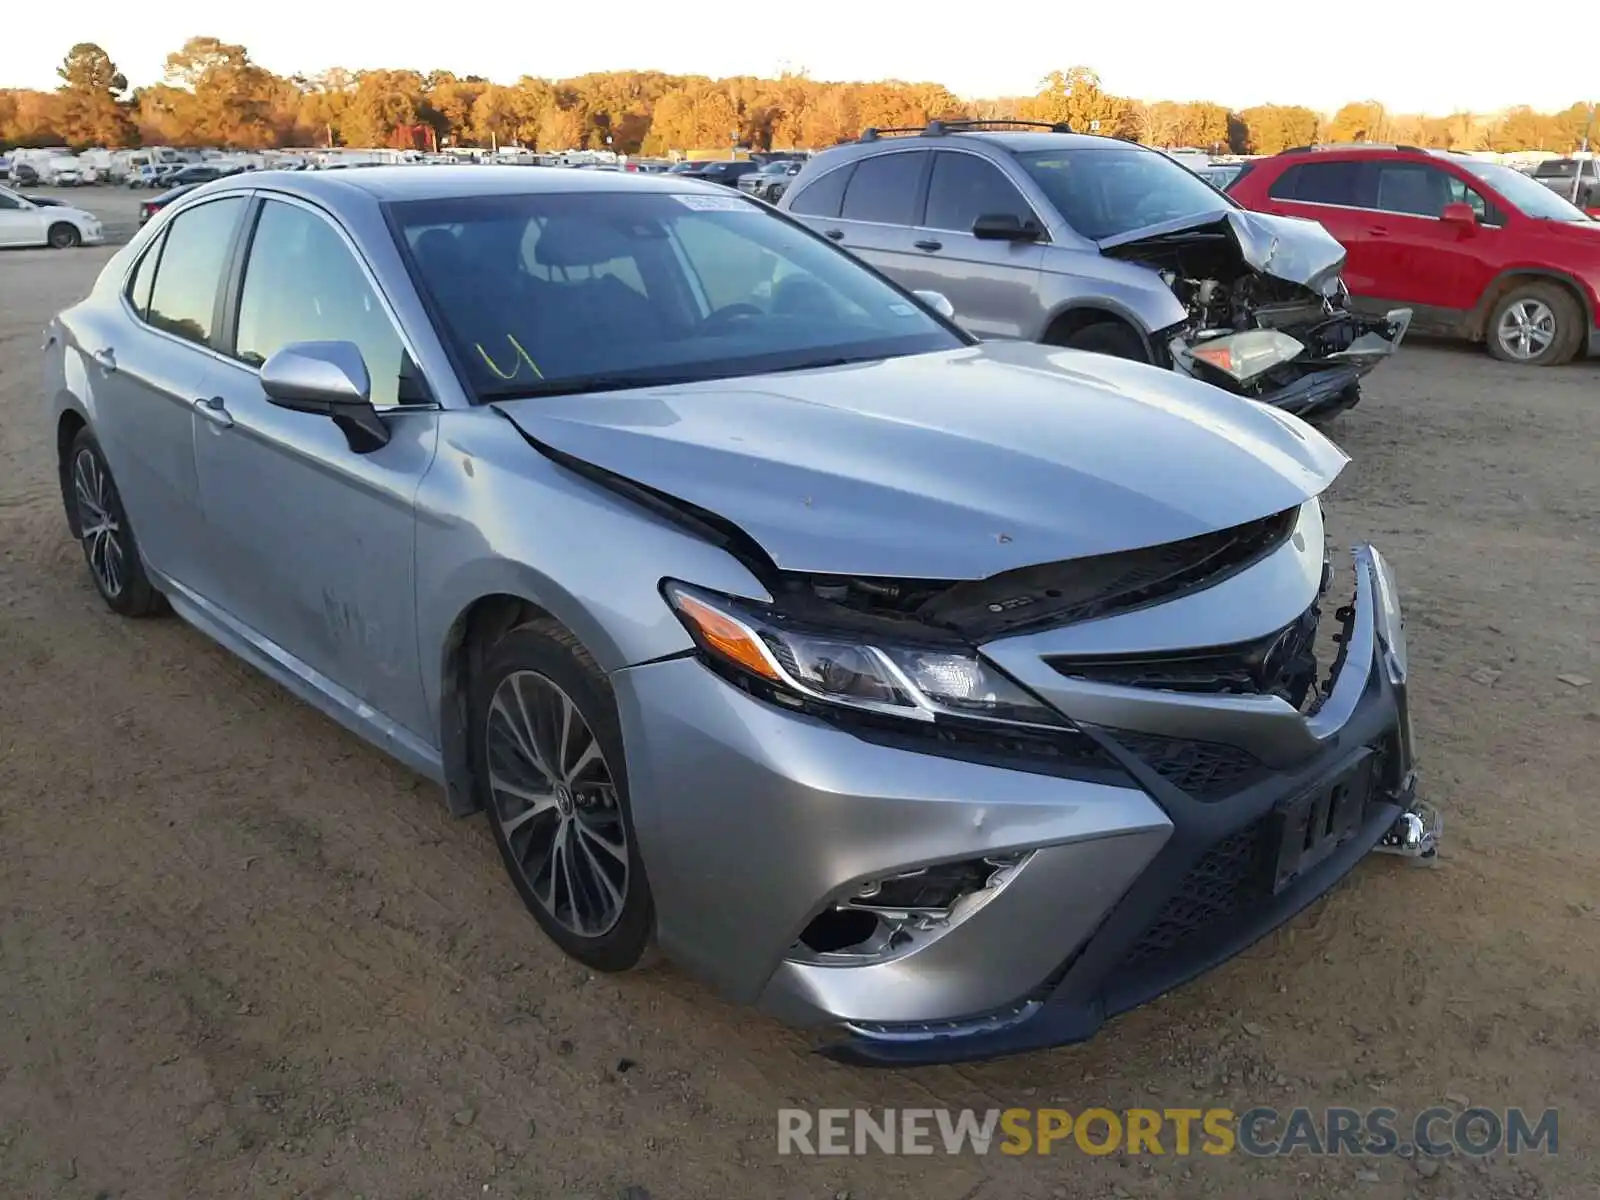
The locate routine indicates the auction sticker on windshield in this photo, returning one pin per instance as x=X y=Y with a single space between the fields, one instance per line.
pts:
x=715 y=203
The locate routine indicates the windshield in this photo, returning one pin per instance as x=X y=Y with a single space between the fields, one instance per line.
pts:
x=1103 y=192
x=568 y=292
x=1531 y=197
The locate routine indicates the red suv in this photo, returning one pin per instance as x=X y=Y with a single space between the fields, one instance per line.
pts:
x=1476 y=250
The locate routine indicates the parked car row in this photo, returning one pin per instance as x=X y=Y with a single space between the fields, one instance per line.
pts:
x=949 y=696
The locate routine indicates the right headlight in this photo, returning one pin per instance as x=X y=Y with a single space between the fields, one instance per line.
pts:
x=871 y=674
x=1242 y=356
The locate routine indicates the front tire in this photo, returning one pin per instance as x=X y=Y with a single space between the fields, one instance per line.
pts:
x=549 y=768
x=109 y=546
x=63 y=236
x=1109 y=337
x=1537 y=325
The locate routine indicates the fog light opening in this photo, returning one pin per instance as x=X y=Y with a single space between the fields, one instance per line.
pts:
x=839 y=929
x=881 y=918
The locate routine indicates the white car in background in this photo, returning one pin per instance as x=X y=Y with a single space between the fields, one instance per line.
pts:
x=24 y=223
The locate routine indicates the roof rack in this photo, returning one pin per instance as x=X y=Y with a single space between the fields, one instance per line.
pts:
x=939 y=128
x=1353 y=146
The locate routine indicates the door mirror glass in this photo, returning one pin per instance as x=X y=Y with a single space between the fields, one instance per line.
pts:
x=329 y=379
x=1459 y=213
x=939 y=302
x=1004 y=227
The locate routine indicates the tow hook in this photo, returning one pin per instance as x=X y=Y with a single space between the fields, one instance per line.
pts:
x=1415 y=834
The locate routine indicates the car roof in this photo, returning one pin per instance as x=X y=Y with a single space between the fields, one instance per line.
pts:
x=427 y=182
x=1016 y=142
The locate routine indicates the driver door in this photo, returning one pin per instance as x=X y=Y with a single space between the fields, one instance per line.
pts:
x=993 y=285
x=312 y=545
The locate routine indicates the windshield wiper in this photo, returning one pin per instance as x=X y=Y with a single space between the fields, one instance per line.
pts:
x=819 y=363
x=592 y=383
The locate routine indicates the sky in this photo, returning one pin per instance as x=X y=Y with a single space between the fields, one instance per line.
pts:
x=1412 y=57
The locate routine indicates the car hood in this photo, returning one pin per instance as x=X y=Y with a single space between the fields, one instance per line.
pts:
x=953 y=465
x=1288 y=248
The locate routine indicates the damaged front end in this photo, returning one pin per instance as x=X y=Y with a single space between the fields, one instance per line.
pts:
x=1268 y=314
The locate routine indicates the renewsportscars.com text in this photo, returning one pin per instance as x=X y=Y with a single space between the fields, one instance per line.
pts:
x=1259 y=1132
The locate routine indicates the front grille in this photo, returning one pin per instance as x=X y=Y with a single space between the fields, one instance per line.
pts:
x=1205 y=770
x=1283 y=663
x=1228 y=877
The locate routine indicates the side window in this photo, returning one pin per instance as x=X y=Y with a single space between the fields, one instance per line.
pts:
x=884 y=188
x=1413 y=189
x=302 y=284
x=193 y=260
x=964 y=187
x=144 y=275
x=7 y=203
x=823 y=196
x=1321 y=183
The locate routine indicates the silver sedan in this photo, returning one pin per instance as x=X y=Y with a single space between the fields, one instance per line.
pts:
x=950 y=696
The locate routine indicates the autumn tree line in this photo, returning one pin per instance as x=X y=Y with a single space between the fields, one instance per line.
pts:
x=213 y=94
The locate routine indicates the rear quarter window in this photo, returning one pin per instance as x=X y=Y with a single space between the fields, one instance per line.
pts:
x=1341 y=183
x=824 y=195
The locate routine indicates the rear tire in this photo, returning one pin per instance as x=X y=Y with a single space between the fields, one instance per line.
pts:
x=63 y=236
x=1536 y=325
x=1108 y=337
x=109 y=546
x=549 y=770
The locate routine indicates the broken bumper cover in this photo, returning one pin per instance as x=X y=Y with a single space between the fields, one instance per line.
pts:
x=1315 y=384
x=1119 y=883
x=1235 y=867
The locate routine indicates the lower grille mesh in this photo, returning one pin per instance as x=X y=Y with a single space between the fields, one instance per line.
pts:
x=1227 y=877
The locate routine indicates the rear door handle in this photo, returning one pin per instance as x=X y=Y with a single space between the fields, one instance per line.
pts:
x=836 y=234
x=1379 y=231
x=214 y=410
x=107 y=358
x=928 y=245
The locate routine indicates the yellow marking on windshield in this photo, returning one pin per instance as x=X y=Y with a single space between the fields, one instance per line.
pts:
x=522 y=357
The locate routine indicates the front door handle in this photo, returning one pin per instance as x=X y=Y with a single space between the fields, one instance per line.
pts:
x=107 y=359
x=836 y=234
x=214 y=410
x=1379 y=231
x=928 y=245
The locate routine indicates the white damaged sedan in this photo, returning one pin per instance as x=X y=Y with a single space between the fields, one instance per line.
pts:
x=23 y=222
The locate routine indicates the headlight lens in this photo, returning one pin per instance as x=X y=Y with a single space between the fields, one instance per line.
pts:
x=1242 y=355
x=912 y=682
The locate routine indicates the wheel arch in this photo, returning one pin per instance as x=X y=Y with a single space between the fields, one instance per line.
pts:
x=1073 y=317
x=68 y=425
x=1513 y=277
x=475 y=629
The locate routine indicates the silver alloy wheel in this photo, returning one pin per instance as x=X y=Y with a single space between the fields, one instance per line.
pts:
x=99 y=529
x=556 y=803
x=1526 y=329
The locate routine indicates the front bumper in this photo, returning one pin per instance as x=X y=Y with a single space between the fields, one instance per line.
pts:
x=753 y=820
x=1326 y=379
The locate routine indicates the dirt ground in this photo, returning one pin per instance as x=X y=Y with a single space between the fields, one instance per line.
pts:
x=242 y=954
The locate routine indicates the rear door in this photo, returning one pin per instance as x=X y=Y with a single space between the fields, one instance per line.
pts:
x=147 y=365
x=880 y=210
x=1338 y=194
x=993 y=285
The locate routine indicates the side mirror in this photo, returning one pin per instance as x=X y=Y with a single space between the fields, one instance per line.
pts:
x=1005 y=227
x=327 y=379
x=1460 y=215
x=939 y=302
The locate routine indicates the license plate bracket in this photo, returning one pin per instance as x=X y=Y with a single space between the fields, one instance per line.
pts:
x=1314 y=824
